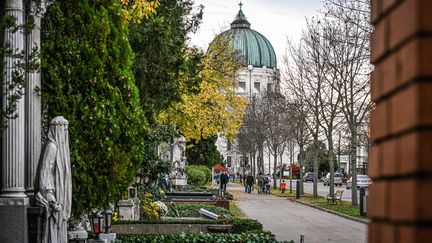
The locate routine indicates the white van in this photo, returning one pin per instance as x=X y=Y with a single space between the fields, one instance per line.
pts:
x=337 y=179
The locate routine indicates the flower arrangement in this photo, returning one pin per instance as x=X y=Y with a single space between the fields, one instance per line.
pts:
x=149 y=209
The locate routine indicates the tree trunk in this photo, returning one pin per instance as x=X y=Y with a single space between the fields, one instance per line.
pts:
x=331 y=165
x=291 y=162
x=274 y=167
x=301 y=169
x=315 y=182
x=281 y=169
x=261 y=159
x=269 y=162
x=253 y=164
x=354 y=199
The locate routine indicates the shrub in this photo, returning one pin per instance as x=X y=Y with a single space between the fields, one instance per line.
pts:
x=202 y=237
x=245 y=225
x=191 y=209
x=149 y=209
x=87 y=77
x=204 y=169
x=150 y=221
x=195 y=176
x=191 y=188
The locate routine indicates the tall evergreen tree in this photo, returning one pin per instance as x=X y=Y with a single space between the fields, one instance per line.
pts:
x=88 y=78
x=159 y=45
x=204 y=152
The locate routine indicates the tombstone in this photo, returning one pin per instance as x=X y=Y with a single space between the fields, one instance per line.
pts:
x=178 y=176
x=129 y=205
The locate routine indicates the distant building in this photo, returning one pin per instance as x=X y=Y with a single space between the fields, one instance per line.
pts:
x=259 y=75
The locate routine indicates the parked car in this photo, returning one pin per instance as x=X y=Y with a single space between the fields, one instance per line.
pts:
x=309 y=176
x=362 y=181
x=337 y=179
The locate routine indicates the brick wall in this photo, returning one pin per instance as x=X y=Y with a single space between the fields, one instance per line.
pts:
x=400 y=162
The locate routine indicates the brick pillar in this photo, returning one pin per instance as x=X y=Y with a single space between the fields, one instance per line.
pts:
x=400 y=162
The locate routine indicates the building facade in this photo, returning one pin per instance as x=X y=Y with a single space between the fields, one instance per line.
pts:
x=258 y=76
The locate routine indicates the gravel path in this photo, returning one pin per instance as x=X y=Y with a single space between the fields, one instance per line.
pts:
x=287 y=220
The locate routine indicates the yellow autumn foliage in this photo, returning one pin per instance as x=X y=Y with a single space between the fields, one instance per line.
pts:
x=137 y=10
x=216 y=108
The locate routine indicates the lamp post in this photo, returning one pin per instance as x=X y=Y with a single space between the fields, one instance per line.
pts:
x=250 y=68
x=107 y=214
x=97 y=223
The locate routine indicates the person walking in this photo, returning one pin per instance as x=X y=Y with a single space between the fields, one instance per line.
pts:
x=224 y=178
x=249 y=181
x=267 y=183
x=260 y=183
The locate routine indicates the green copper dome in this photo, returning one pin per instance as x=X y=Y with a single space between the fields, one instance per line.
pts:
x=253 y=47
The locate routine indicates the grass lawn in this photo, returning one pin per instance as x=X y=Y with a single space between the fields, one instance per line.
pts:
x=344 y=208
x=236 y=211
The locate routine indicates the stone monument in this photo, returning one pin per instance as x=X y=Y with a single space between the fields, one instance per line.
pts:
x=53 y=183
x=178 y=176
x=129 y=205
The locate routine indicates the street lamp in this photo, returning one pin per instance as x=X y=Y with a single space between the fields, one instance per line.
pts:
x=107 y=214
x=97 y=223
x=250 y=68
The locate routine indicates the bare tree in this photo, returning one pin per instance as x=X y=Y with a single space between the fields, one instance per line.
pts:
x=349 y=59
x=300 y=133
x=252 y=137
x=307 y=76
x=329 y=99
x=277 y=130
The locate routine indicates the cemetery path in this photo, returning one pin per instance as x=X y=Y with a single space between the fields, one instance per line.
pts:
x=288 y=220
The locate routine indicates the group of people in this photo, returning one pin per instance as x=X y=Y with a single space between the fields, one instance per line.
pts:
x=264 y=182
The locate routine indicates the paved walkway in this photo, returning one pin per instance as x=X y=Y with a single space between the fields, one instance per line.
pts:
x=287 y=220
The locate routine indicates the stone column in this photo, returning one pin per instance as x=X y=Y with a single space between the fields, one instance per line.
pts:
x=400 y=163
x=33 y=104
x=13 y=200
x=13 y=141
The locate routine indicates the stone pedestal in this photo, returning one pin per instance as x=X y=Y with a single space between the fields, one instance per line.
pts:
x=111 y=237
x=178 y=182
x=129 y=209
x=35 y=227
x=13 y=220
x=80 y=236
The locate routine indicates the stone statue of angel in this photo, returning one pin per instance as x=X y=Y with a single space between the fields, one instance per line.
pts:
x=53 y=182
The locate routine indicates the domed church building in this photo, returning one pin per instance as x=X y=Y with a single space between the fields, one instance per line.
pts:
x=259 y=75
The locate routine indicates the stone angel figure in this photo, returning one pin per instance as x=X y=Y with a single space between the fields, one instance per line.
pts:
x=53 y=183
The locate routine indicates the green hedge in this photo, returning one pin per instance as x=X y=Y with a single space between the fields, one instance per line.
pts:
x=191 y=188
x=245 y=225
x=195 y=176
x=204 y=238
x=203 y=221
x=191 y=209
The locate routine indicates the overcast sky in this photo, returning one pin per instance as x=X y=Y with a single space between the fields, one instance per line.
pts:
x=275 y=19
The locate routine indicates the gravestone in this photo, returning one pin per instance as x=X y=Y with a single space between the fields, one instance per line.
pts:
x=178 y=176
x=129 y=205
